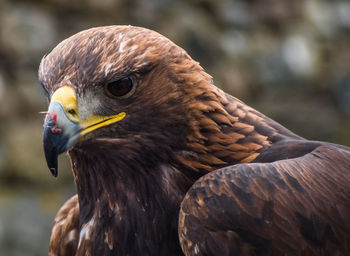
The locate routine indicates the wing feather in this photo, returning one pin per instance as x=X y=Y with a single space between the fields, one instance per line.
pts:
x=296 y=206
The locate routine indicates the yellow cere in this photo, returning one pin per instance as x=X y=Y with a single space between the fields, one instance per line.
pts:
x=66 y=96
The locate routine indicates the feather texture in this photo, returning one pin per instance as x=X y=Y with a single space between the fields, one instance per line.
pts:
x=297 y=206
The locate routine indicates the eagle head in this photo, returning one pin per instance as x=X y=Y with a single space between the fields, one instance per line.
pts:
x=126 y=88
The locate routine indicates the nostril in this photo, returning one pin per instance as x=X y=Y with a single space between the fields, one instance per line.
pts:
x=72 y=112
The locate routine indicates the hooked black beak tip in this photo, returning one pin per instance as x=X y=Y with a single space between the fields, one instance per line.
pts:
x=51 y=146
x=54 y=172
x=51 y=154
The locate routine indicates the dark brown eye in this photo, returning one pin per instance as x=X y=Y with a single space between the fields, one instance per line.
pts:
x=121 y=88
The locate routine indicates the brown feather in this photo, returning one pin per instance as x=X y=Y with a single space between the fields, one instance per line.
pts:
x=65 y=231
x=288 y=207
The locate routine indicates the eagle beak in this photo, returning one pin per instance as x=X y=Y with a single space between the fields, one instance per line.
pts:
x=63 y=128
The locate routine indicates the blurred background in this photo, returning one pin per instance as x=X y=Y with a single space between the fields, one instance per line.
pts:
x=288 y=59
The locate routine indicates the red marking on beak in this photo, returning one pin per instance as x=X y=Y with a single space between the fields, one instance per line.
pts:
x=53 y=116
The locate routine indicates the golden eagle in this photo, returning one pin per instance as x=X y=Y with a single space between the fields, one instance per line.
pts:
x=165 y=163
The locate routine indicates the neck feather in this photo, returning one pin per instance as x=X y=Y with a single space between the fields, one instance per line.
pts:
x=129 y=198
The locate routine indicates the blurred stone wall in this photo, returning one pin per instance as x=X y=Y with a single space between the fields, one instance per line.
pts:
x=288 y=59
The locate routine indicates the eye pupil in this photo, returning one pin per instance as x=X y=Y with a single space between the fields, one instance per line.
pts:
x=120 y=87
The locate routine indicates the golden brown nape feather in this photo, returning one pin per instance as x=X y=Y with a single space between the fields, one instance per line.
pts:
x=178 y=131
x=223 y=129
